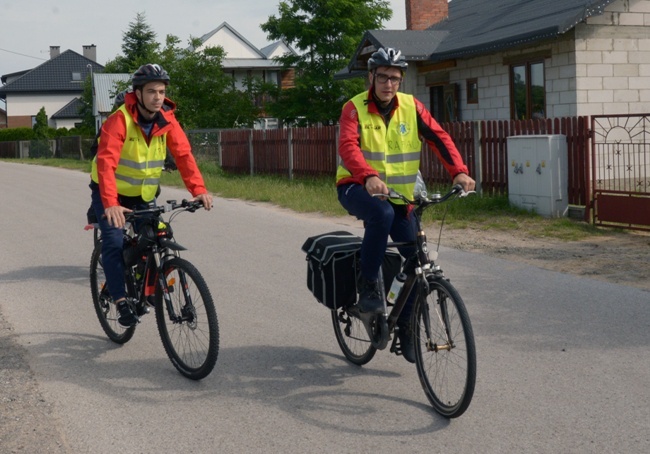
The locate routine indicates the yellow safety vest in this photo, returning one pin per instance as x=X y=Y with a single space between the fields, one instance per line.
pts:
x=393 y=150
x=140 y=167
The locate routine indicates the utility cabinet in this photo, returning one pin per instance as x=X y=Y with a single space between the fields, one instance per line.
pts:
x=538 y=174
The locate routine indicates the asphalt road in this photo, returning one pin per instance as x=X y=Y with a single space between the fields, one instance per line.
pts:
x=563 y=361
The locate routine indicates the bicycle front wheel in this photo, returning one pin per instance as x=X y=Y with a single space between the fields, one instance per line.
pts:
x=187 y=322
x=352 y=337
x=445 y=351
x=105 y=308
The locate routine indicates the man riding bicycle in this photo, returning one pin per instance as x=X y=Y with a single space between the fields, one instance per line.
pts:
x=126 y=170
x=380 y=145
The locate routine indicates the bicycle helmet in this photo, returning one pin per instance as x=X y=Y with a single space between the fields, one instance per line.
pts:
x=150 y=72
x=387 y=56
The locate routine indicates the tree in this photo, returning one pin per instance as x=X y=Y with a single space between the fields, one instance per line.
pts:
x=87 y=127
x=40 y=125
x=206 y=96
x=326 y=33
x=139 y=46
x=39 y=146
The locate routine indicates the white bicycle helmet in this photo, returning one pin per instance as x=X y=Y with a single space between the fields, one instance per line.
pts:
x=387 y=56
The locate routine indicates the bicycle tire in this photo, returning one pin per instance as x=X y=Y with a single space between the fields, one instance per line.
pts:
x=352 y=337
x=192 y=344
x=105 y=309
x=97 y=236
x=447 y=370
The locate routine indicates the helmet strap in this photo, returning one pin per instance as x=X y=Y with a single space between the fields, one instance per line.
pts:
x=141 y=105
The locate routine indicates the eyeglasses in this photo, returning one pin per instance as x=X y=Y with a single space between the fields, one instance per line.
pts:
x=383 y=78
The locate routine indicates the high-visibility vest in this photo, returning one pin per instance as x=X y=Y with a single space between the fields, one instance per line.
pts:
x=140 y=167
x=393 y=150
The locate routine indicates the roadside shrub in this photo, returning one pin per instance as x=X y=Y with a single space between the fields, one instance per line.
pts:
x=12 y=134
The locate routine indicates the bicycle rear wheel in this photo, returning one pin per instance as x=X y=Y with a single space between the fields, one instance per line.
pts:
x=189 y=329
x=352 y=337
x=445 y=353
x=104 y=307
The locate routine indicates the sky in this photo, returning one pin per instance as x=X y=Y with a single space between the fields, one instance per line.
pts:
x=29 y=27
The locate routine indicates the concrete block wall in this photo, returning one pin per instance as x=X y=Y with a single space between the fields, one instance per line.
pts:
x=494 y=82
x=599 y=67
x=613 y=60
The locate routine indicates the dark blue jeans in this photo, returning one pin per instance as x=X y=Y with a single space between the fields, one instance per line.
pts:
x=381 y=220
x=112 y=246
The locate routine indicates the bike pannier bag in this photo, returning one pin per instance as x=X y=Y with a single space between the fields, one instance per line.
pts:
x=331 y=268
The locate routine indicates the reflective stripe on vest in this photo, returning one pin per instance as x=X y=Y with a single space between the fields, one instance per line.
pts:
x=140 y=167
x=393 y=150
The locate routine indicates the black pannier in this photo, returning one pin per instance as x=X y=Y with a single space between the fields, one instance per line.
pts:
x=331 y=267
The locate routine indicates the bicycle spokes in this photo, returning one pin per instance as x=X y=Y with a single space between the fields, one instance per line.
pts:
x=445 y=353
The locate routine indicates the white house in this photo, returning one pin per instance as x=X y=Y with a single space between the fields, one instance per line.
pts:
x=243 y=60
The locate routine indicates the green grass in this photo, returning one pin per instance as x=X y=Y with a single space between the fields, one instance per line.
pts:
x=318 y=195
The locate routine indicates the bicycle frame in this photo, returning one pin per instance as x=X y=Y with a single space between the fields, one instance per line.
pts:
x=158 y=251
x=419 y=267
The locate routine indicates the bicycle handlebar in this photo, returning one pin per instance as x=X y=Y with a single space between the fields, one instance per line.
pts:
x=170 y=205
x=423 y=198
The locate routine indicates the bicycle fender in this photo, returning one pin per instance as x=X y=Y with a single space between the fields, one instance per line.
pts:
x=173 y=245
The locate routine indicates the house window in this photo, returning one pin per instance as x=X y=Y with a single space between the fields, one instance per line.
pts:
x=76 y=77
x=443 y=100
x=527 y=92
x=472 y=91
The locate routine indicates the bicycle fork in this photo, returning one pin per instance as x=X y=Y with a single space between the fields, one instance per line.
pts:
x=443 y=317
x=187 y=314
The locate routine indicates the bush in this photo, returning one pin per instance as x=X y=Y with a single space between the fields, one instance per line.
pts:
x=13 y=134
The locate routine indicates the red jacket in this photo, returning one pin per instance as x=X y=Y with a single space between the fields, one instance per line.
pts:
x=112 y=138
x=428 y=129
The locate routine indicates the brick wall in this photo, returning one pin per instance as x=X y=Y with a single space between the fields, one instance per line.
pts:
x=19 y=121
x=421 y=14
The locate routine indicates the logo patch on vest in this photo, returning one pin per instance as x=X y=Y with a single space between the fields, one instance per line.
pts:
x=403 y=129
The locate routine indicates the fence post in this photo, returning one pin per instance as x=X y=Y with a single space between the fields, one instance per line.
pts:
x=478 y=153
x=251 y=154
x=337 y=132
x=290 y=149
x=219 y=150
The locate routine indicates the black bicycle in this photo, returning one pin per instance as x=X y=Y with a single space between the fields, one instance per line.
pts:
x=440 y=326
x=157 y=277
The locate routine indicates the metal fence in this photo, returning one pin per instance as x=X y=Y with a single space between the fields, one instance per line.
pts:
x=71 y=147
x=620 y=170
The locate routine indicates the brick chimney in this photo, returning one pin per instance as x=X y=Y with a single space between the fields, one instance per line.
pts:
x=55 y=51
x=90 y=52
x=422 y=14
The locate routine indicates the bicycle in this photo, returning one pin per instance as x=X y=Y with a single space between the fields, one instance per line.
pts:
x=440 y=326
x=157 y=277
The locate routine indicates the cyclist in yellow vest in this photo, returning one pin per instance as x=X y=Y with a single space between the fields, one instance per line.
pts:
x=126 y=170
x=379 y=146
